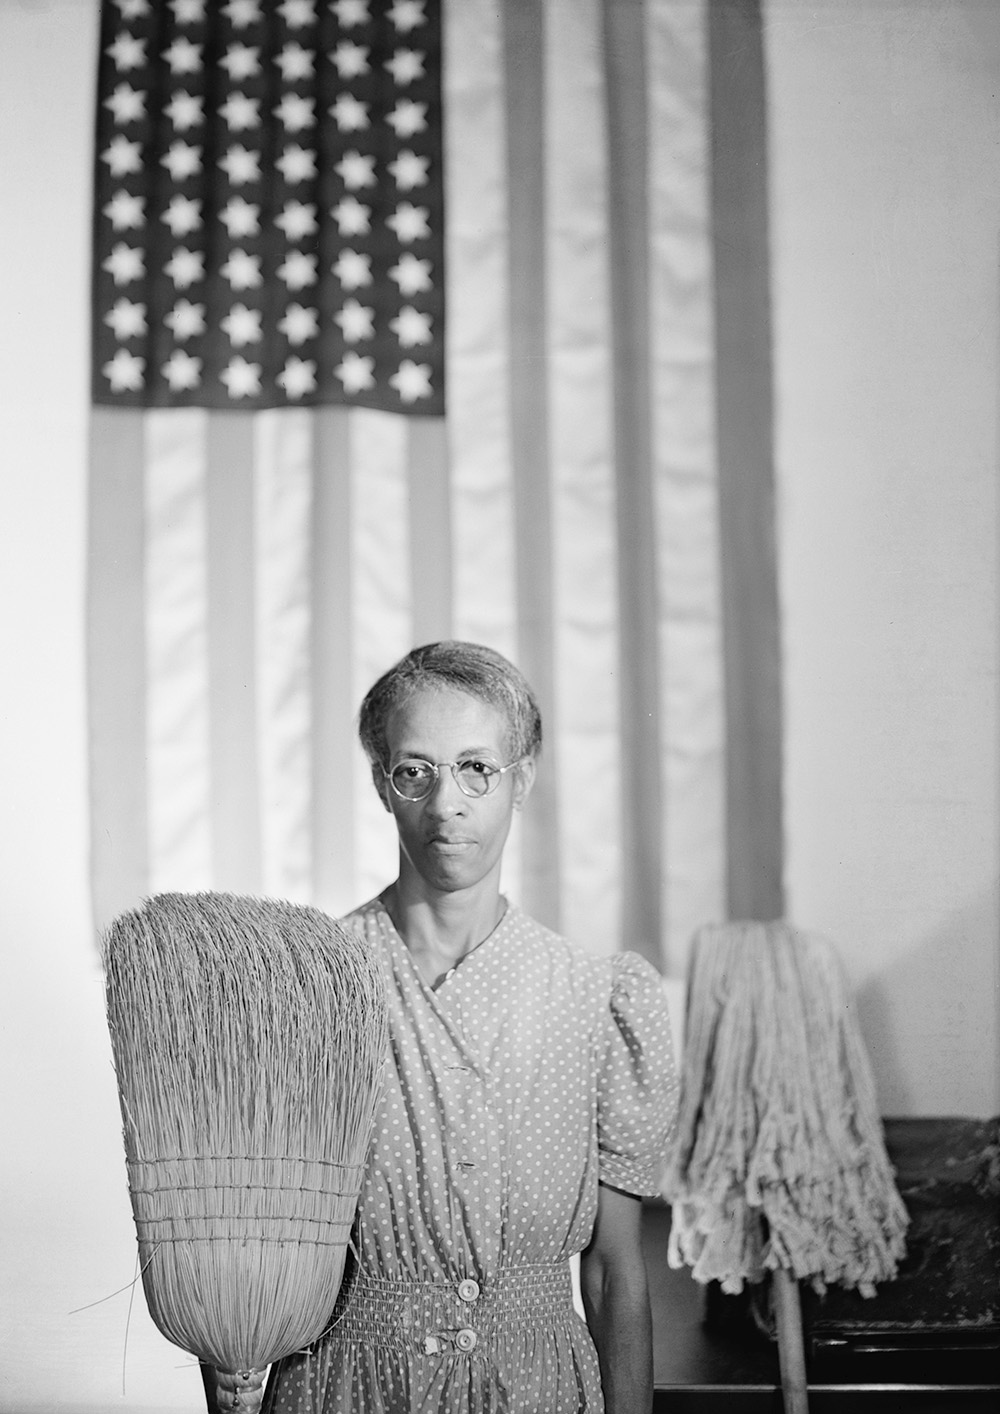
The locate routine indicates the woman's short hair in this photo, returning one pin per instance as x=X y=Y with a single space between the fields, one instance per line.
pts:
x=467 y=667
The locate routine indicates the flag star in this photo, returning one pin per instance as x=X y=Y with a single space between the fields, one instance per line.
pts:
x=353 y=269
x=242 y=326
x=126 y=318
x=242 y=379
x=406 y=65
x=128 y=52
x=241 y=62
x=186 y=320
x=241 y=166
x=357 y=321
x=297 y=220
x=407 y=118
x=351 y=12
x=299 y=324
x=351 y=59
x=349 y=113
x=357 y=170
x=132 y=9
x=298 y=377
x=242 y=13
x=411 y=275
x=183 y=56
x=412 y=380
x=188 y=12
x=240 y=112
x=409 y=223
x=125 y=372
x=182 y=371
x=185 y=110
x=352 y=217
x=183 y=215
x=295 y=112
x=295 y=63
x=297 y=13
x=125 y=211
x=356 y=372
x=242 y=270
x=123 y=156
x=407 y=15
x=128 y=104
x=240 y=217
x=298 y=270
x=182 y=160
x=125 y=264
x=185 y=267
x=411 y=327
x=409 y=170
x=297 y=164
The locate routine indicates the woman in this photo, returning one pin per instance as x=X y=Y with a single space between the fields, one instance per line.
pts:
x=526 y=1108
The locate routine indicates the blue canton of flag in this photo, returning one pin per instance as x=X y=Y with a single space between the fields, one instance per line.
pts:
x=269 y=213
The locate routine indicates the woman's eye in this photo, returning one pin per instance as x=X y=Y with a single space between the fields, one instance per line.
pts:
x=477 y=768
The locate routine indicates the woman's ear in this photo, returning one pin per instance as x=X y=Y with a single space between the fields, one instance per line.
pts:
x=381 y=783
x=524 y=779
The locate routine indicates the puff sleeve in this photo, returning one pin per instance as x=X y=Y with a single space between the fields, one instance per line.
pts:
x=637 y=1084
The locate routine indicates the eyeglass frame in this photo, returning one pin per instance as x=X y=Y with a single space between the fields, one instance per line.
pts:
x=436 y=767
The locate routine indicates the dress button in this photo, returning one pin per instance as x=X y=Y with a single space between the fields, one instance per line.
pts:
x=466 y=1340
x=468 y=1290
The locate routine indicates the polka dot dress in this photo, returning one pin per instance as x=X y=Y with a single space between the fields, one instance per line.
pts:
x=529 y=1074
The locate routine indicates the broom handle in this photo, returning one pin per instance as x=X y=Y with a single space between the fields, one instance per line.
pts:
x=791 y=1353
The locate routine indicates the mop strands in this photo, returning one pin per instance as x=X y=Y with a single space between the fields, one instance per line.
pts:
x=780 y=1161
x=248 y=1038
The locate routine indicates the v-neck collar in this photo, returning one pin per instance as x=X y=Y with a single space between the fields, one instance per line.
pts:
x=486 y=946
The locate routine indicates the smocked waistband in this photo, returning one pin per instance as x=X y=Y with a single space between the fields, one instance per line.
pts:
x=458 y=1315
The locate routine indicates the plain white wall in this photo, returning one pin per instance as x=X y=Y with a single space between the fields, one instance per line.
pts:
x=884 y=145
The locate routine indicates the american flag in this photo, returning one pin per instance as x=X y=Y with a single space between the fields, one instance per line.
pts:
x=312 y=221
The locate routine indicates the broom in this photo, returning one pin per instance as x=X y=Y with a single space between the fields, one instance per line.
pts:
x=248 y=1038
x=780 y=1165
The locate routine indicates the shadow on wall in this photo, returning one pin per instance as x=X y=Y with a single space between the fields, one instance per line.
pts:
x=930 y=1019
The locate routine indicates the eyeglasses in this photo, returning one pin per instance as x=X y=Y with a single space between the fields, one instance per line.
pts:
x=414 y=779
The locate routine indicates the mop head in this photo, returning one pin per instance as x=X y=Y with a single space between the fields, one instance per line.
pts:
x=248 y=1038
x=780 y=1158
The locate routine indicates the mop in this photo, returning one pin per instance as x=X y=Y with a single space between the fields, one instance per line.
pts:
x=248 y=1038
x=780 y=1167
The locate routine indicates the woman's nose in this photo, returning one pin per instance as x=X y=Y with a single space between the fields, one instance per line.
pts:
x=445 y=798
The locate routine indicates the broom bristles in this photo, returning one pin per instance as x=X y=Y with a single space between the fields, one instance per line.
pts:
x=248 y=1038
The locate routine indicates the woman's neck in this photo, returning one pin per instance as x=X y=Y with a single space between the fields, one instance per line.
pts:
x=440 y=929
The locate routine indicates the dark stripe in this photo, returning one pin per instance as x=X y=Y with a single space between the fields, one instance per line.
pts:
x=524 y=49
x=639 y=651
x=430 y=530
x=745 y=448
x=116 y=664
x=333 y=704
x=233 y=726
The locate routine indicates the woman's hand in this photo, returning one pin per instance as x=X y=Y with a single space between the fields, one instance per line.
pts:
x=243 y=1391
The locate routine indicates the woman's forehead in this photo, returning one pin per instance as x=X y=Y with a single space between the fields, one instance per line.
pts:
x=446 y=719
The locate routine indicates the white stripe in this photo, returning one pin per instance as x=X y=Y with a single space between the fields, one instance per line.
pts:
x=685 y=468
x=282 y=472
x=382 y=620
x=177 y=651
x=585 y=734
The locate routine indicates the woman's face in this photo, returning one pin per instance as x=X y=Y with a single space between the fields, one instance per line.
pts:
x=450 y=841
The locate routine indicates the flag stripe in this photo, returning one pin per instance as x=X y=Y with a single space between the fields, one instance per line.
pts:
x=334 y=703
x=177 y=649
x=232 y=654
x=683 y=412
x=524 y=71
x=745 y=458
x=116 y=662
x=585 y=726
x=430 y=531
x=624 y=35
